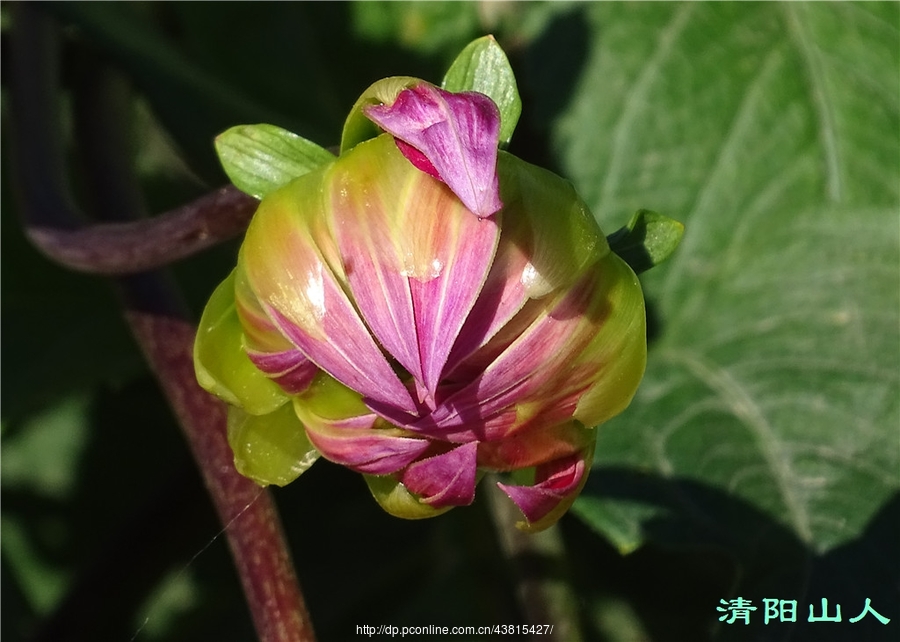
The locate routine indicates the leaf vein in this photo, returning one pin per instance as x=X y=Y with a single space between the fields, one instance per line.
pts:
x=816 y=75
x=632 y=107
x=743 y=406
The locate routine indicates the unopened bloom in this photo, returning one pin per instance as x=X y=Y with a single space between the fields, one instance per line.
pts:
x=425 y=308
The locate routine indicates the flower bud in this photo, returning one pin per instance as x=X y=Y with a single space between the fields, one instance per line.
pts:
x=432 y=309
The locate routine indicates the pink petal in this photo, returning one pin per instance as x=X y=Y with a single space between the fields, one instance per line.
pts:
x=444 y=480
x=502 y=296
x=458 y=136
x=537 y=365
x=577 y=353
x=349 y=355
x=289 y=368
x=414 y=257
x=354 y=443
x=555 y=482
x=292 y=267
x=549 y=239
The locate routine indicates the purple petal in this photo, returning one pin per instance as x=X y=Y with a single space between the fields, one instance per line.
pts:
x=555 y=482
x=457 y=134
x=445 y=480
x=291 y=266
x=355 y=444
x=350 y=356
x=414 y=257
x=289 y=368
x=536 y=365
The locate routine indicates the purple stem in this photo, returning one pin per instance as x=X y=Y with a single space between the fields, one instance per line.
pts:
x=115 y=249
x=253 y=526
x=540 y=569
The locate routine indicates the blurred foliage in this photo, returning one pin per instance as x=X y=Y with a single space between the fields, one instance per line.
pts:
x=761 y=456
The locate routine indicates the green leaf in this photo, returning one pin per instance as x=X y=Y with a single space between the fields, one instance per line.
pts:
x=771 y=399
x=647 y=240
x=261 y=158
x=483 y=67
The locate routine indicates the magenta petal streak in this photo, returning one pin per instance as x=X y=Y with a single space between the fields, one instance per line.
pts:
x=554 y=481
x=456 y=136
x=290 y=368
x=444 y=480
x=414 y=257
x=356 y=445
x=534 y=367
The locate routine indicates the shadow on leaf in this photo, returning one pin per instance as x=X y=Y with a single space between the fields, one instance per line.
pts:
x=771 y=561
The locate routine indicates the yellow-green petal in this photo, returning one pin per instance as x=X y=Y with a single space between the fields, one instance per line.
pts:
x=396 y=500
x=545 y=218
x=620 y=345
x=358 y=127
x=220 y=362
x=272 y=448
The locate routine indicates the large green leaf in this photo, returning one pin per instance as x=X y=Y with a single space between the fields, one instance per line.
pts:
x=770 y=402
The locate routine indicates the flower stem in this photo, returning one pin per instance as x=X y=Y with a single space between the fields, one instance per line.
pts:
x=248 y=512
x=135 y=246
x=539 y=566
x=152 y=308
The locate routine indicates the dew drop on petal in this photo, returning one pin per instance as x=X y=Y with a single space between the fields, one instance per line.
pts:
x=421 y=269
x=315 y=291
x=311 y=304
x=535 y=285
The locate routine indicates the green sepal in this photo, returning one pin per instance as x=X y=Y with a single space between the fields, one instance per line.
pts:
x=261 y=158
x=272 y=448
x=222 y=366
x=396 y=500
x=647 y=240
x=483 y=67
x=358 y=127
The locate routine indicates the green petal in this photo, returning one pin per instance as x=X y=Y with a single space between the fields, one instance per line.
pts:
x=330 y=399
x=272 y=448
x=220 y=362
x=545 y=217
x=620 y=345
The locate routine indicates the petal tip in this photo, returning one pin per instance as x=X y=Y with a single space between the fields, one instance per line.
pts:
x=557 y=485
x=451 y=136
